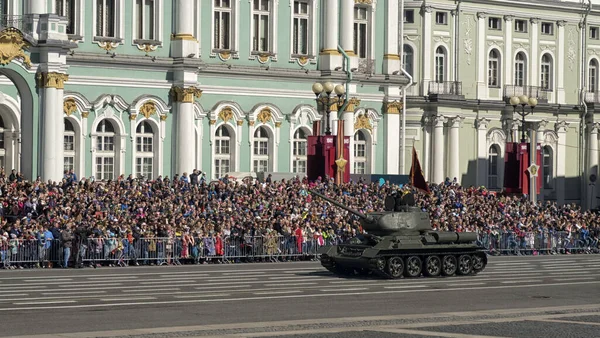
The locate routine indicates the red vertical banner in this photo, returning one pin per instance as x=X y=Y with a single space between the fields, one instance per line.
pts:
x=340 y=161
x=316 y=128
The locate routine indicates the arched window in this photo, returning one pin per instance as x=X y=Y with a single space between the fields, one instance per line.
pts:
x=105 y=150
x=261 y=150
x=222 y=151
x=520 y=70
x=2 y=145
x=593 y=76
x=300 y=147
x=440 y=64
x=547 y=167
x=69 y=146
x=144 y=155
x=494 y=69
x=360 y=152
x=408 y=60
x=493 y=172
x=546 y=72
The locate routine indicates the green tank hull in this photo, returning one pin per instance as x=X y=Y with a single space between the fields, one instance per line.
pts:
x=401 y=243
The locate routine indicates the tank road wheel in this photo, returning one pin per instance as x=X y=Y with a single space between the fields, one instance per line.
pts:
x=478 y=262
x=414 y=266
x=449 y=265
x=465 y=264
x=395 y=267
x=378 y=263
x=433 y=266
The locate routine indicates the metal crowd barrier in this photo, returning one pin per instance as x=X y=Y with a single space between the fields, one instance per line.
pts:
x=113 y=251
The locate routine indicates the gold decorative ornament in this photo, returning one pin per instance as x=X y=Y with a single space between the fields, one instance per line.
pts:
x=69 y=106
x=363 y=122
x=263 y=58
x=364 y=2
x=225 y=55
x=148 y=109
x=264 y=116
x=52 y=80
x=132 y=117
x=107 y=45
x=277 y=124
x=341 y=164
x=335 y=105
x=393 y=107
x=147 y=48
x=226 y=114
x=352 y=104
x=251 y=123
x=13 y=46
x=303 y=60
x=85 y=114
x=391 y=57
x=163 y=117
x=240 y=123
x=185 y=95
x=212 y=122
x=188 y=37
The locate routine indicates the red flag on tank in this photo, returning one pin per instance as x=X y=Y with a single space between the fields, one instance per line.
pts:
x=417 y=178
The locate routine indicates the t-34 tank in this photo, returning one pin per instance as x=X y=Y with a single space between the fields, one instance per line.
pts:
x=400 y=242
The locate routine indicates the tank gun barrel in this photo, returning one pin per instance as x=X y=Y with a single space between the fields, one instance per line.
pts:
x=367 y=218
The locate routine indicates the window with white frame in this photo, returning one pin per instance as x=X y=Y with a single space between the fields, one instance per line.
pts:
x=593 y=76
x=494 y=69
x=521 y=26
x=222 y=24
x=261 y=150
x=2 y=145
x=520 y=70
x=546 y=72
x=65 y=8
x=144 y=154
x=4 y=7
x=440 y=64
x=105 y=150
x=547 y=28
x=493 y=157
x=547 y=167
x=300 y=148
x=145 y=13
x=360 y=152
x=594 y=33
x=495 y=23
x=441 y=18
x=361 y=31
x=408 y=59
x=69 y=146
x=106 y=18
x=222 y=152
x=301 y=29
x=261 y=26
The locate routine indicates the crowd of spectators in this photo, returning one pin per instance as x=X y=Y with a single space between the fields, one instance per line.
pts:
x=192 y=209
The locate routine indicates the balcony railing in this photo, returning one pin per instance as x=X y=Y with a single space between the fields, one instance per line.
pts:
x=531 y=91
x=445 y=88
x=592 y=97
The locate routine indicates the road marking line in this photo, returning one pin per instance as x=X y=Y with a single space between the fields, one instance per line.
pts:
x=153 y=290
x=405 y=286
x=243 y=273
x=465 y=284
x=570 y=273
x=120 y=299
x=112 y=278
x=568 y=322
x=222 y=287
x=13 y=295
x=276 y=292
x=169 y=282
x=337 y=290
x=522 y=281
x=48 y=280
x=71 y=293
x=51 y=302
x=208 y=295
x=574 y=278
x=290 y=284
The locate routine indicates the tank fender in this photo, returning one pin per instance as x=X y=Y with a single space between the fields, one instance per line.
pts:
x=328 y=250
x=370 y=253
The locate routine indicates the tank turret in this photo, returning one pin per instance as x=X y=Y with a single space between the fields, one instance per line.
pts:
x=400 y=241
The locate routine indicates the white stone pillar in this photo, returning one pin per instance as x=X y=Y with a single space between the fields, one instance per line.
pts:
x=482 y=88
x=52 y=138
x=393 y=138
x=426 y=52
x=185 y=154
x=533 y=58
x=347 y=31
x=454 y=152
x=508 y=52
x=438 y=149
x=482 y=151
x=560 y=74
x=391 y=59
x=560 y=160
x=37 y=7
x=539 y=139
x=330 y=57
x=183 y=42
x=592 y=162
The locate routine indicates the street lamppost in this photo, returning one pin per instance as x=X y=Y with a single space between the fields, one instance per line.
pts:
x=323 y=94
x=523 y=100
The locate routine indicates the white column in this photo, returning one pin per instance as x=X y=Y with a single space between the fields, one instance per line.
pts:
x=392 y=144
x=184 y=43
x=560 y=160
x=482 y=88
x=426 y=52
x=560 y=73
x=482 y=151
x=330 y=57
x=438 y=149
x=509 y=58
x=52 y=125
x=427 y=128
x=391 y=59
x=539 y=139
x=454 y=153
x=37 y=7
x=592 y=162
x=185 y=154
x=534 y=62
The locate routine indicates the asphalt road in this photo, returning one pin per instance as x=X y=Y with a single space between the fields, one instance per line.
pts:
x=542 y=296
